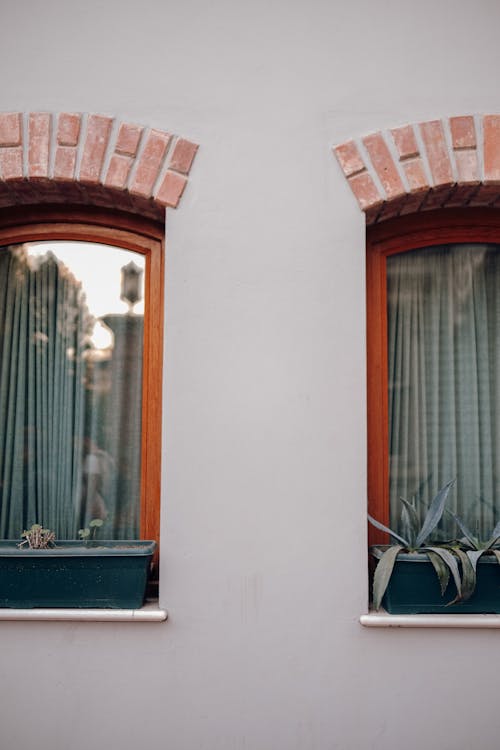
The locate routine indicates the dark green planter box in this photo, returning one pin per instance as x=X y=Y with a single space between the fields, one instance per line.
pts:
x=414 y=588
x=109 y=574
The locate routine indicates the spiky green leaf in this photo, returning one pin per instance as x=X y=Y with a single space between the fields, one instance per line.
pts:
x=469 y=536
x=383 y=573
x=452 y=564
x=434 y=514
x=495 y=536
x=413 y=522
x=381 y=527
x=496 y=552
x=468 y=561
x=442 y=570
x=474 y=556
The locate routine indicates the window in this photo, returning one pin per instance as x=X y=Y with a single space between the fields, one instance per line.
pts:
x=433 y=327
x=80 y=417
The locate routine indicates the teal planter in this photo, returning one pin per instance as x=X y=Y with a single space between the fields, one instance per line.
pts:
x=414 y=588
x=106 y=574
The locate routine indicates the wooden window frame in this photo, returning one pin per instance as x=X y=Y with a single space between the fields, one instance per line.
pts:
x=391 y=237
x=143 y=236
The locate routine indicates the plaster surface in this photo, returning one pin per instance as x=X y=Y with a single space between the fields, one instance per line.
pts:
x=263 y=566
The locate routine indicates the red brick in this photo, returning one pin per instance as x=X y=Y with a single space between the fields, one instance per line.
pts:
x=372 y=214
x=461 y=196
x=405 y=141
x=119 y=168
x=365 y=191
x=153 y=211
x=150 y=163
x=467 y=168
x=39 y=142
x=171 y=189
x=72 y=192
x=65 y=162
x=491 y=131
x=496 y=204
x=6 y=199
x=437 y=152
x=486 y=194
x=10 y=129
x=24 y=192
x=437 y=197
x=99 y=196
x=96 y=142
x=68 y=128
x=349 y=158
x=128 y=139
x=121 y=200
x=463 y=132
x=11 y=163
x=147 y=207
x=384 y=165
x=413 y=202
x=415 y=174
x=183 y=155
x=392 y=208
x=45 y=191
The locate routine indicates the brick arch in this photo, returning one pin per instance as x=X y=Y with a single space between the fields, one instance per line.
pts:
x=91 y=160
x=454 y=162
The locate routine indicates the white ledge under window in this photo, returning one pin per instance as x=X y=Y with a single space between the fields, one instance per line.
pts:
x=383 y=620
x=150 y=612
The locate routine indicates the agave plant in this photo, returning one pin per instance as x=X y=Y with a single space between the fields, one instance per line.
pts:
x=474 y=546
x=443 y=560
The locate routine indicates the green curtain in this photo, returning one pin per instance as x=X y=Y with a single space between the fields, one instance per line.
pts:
x=444 y=380
x=43 y=320
x=70 y=416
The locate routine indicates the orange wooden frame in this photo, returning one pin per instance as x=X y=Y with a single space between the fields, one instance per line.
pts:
x=145 y=237
x=388 y=238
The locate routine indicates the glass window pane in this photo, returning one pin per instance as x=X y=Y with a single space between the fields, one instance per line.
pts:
x=444 y=381
x=71 y=345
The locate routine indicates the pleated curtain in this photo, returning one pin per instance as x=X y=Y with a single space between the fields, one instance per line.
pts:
x=444 y=381
x=58 y=422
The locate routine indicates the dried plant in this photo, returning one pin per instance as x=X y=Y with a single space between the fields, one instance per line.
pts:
x=38 y=538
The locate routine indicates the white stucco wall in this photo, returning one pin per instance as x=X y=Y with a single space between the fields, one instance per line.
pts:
x=263 y=527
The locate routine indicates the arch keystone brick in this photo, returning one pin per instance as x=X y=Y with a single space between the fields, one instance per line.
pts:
x=399 y=173
x=92 y=159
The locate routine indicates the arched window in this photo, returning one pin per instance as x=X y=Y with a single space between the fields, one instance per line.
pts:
x=80 y=422
x=80 y=432
x=433 y=335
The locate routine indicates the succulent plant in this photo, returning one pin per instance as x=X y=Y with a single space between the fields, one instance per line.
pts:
x=474 y=547
x=37 y=537
x=89 y=533
x=444 y=560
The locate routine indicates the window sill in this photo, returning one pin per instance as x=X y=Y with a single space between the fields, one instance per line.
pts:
x=469 y=622
x=150 y=612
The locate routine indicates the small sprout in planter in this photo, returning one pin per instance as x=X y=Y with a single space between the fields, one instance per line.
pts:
x=442 y=559
x=89 y=533
x=38 y=538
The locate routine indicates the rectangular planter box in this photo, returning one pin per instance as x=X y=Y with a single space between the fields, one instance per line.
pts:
x=414 y=588
x=107 y=574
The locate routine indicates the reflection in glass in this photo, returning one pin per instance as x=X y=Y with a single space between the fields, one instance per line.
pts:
x=71 y=341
